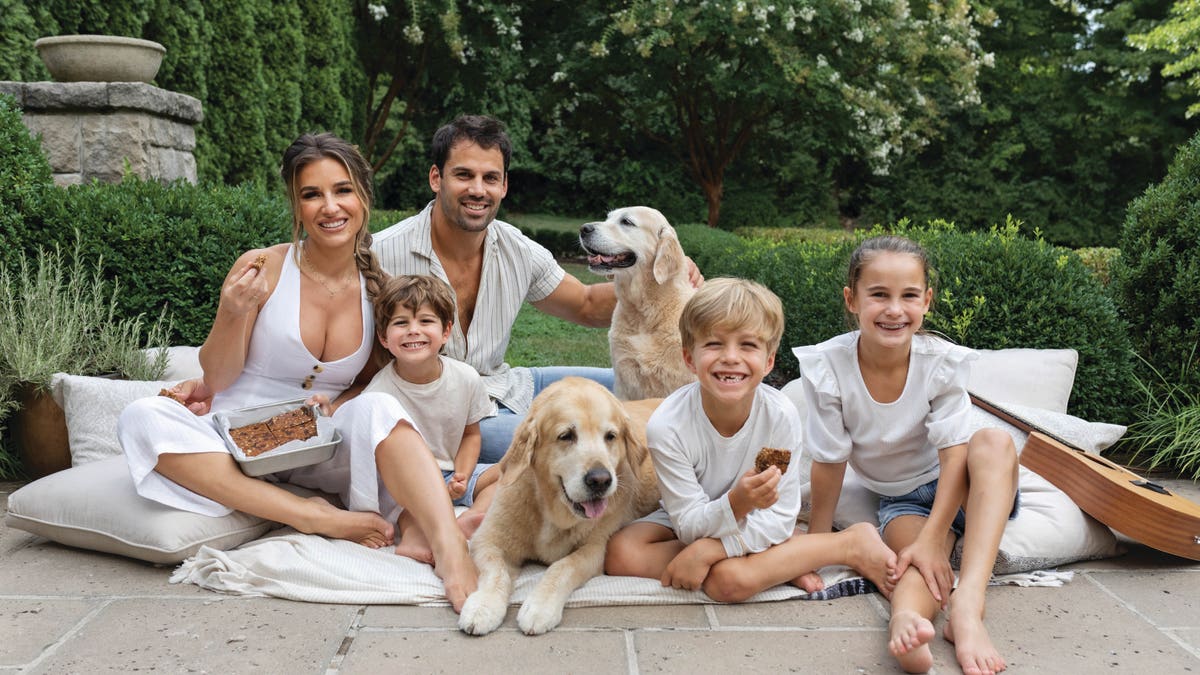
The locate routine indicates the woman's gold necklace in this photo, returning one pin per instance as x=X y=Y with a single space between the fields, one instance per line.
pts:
x=307 y=268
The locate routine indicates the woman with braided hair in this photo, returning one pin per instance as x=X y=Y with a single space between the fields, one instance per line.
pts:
x=294 y=320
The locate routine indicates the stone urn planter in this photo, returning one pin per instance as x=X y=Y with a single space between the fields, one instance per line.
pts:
x=100 y=58
x=40 y=429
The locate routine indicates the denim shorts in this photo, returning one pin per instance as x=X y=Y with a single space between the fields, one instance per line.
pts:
x=468 y=497
x=497 y=431
x=920 y=501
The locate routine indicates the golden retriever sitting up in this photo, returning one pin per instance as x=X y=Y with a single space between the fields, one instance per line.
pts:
x=639 y=250
x=577 y=471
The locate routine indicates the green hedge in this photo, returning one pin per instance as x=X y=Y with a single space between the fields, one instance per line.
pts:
x=996 y=290
x=564 y=245
x=24 y=176
x=1156 y=280
x=170 y=245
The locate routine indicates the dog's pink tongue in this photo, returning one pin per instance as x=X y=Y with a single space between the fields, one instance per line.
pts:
x=594 y=507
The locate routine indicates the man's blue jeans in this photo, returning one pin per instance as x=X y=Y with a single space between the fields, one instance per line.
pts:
x=497 y=432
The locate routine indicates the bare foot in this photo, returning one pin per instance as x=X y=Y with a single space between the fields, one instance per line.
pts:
x=809 y=581
x=417 y=551
x=457 y=572
x=368 y=529
x=413 y=543
x=870 y=557
x=972 y=644
x=910 y=634
x=470 y=521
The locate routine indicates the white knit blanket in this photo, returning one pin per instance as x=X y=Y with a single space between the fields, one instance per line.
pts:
x=311 y=568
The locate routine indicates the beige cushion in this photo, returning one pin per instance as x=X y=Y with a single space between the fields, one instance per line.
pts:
x=183 y=363
x=1039 y=378
x=92 y=406
x=95 y=506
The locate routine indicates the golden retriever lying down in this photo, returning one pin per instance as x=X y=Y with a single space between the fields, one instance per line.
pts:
x=577 y=470
x=639 y=250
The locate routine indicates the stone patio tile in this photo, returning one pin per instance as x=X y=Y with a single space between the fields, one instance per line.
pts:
x=1189 y=489
x=863 y=611
x=505 y=651
x=1078 y=628
x=409 y=616
x=602 y=618
x=29 y=626
x=1189 y=637
x=635 y=616
x=736 y=651
x=7 y=487
x=1167 y=599
x=1138 y=557
x=34 y=566
x=216 y=636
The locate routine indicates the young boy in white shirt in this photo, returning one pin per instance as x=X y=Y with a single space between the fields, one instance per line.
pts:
x=725 y=527
x=445 y=397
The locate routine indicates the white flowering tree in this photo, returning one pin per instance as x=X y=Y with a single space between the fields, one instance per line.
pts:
x=415 y=53
x=1179 y=36
x=869 y=78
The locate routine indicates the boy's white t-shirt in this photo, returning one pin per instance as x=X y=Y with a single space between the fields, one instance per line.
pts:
x=697 y=467
x=893 y=446
x=442 y=409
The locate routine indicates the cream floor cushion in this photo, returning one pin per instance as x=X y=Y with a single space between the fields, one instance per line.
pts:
x=94 y=505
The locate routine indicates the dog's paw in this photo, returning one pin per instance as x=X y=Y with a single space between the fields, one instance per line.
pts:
x=536 y=618
x=481 y=614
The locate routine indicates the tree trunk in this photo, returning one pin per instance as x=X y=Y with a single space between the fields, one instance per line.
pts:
x=712 y=197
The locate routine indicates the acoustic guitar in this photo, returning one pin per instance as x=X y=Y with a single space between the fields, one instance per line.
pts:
x=1128 y=503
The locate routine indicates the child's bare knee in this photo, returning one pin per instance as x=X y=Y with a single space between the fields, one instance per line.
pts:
x=993 y=446
x=724 y=585
x=618 y=557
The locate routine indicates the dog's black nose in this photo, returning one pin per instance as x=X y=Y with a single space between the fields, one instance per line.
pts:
x=587 y=228
x=597 y=480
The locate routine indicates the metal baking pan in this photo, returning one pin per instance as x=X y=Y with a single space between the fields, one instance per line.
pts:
x=290 y=455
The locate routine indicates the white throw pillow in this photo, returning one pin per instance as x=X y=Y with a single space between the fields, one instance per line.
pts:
x=183 y=363
x=1041 y=378
x=1091 y=437
x=92 y=406
x=95 y=506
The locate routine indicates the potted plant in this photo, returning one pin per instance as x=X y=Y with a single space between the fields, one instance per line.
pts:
x=60 y=316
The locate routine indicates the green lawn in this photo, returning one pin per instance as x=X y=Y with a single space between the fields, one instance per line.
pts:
x=542 y=340
x=545 y=221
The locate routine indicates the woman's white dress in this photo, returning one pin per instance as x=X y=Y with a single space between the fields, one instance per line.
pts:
x=278 y=368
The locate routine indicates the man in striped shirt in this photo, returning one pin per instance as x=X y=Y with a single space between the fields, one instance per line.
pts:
x=493 y=269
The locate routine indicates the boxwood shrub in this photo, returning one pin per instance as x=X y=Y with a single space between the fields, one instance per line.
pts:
x=24 y=176
x=995 y=290
x=1156 y=280
x=561 y=244
x=169 y=245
